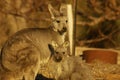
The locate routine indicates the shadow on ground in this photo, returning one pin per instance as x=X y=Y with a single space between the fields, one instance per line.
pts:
x=41 y=77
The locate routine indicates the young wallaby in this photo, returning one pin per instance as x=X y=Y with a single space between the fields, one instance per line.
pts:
x=68 y=68
x=27 y=49
x=58 y=52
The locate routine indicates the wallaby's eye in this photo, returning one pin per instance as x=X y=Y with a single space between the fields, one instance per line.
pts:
x=57 y=21
x=57 y=52
x=63 y=52
x=66 y=21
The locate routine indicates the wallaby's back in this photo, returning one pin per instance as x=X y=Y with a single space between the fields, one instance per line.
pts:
x=27 y=40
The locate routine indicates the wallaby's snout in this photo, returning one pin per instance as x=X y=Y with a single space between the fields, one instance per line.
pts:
x=60 y=26
x=62 y=31
x=57 y=57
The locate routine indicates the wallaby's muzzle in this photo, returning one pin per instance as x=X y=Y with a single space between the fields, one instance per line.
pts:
x=61 y=32
x=57 y=58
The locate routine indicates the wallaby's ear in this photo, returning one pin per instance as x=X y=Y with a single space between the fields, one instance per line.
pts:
x=51 y=49
x=63 y=9
x=52 y=11
x=66 y=44
x=54 y=44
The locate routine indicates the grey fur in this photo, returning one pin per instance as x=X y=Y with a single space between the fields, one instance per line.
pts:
x=27 y=50
x=69 y=68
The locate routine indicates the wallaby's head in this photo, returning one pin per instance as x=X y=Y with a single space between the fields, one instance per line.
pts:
x=58 y=52
x=59 y=19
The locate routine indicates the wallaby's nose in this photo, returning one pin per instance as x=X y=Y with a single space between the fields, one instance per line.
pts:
x=58 y=58
x=64 y=29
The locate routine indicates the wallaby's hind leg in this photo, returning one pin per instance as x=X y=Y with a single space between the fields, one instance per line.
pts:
x=75 y=76
x=29 y=76
x=32 y=70
x=25 y=60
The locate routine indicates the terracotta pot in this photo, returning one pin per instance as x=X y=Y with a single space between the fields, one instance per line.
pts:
x=106 y=56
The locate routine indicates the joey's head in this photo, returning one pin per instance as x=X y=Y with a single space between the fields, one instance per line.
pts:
x=59 y=19
x=58 y=52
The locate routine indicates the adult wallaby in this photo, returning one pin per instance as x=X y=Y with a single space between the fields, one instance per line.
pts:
x=27 y=50
x=67 y=68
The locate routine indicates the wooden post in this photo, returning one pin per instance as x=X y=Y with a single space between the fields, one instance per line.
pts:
x=72 y=25
x=71 y=28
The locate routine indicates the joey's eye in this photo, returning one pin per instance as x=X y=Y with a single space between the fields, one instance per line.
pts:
x=66 y=21
x=57 y=52
x=57 y=21
x=63 y=52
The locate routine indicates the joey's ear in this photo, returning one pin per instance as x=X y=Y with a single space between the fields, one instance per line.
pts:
x=54 y=44
x=52 y=11
x=51 y=49
x=66 y=44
